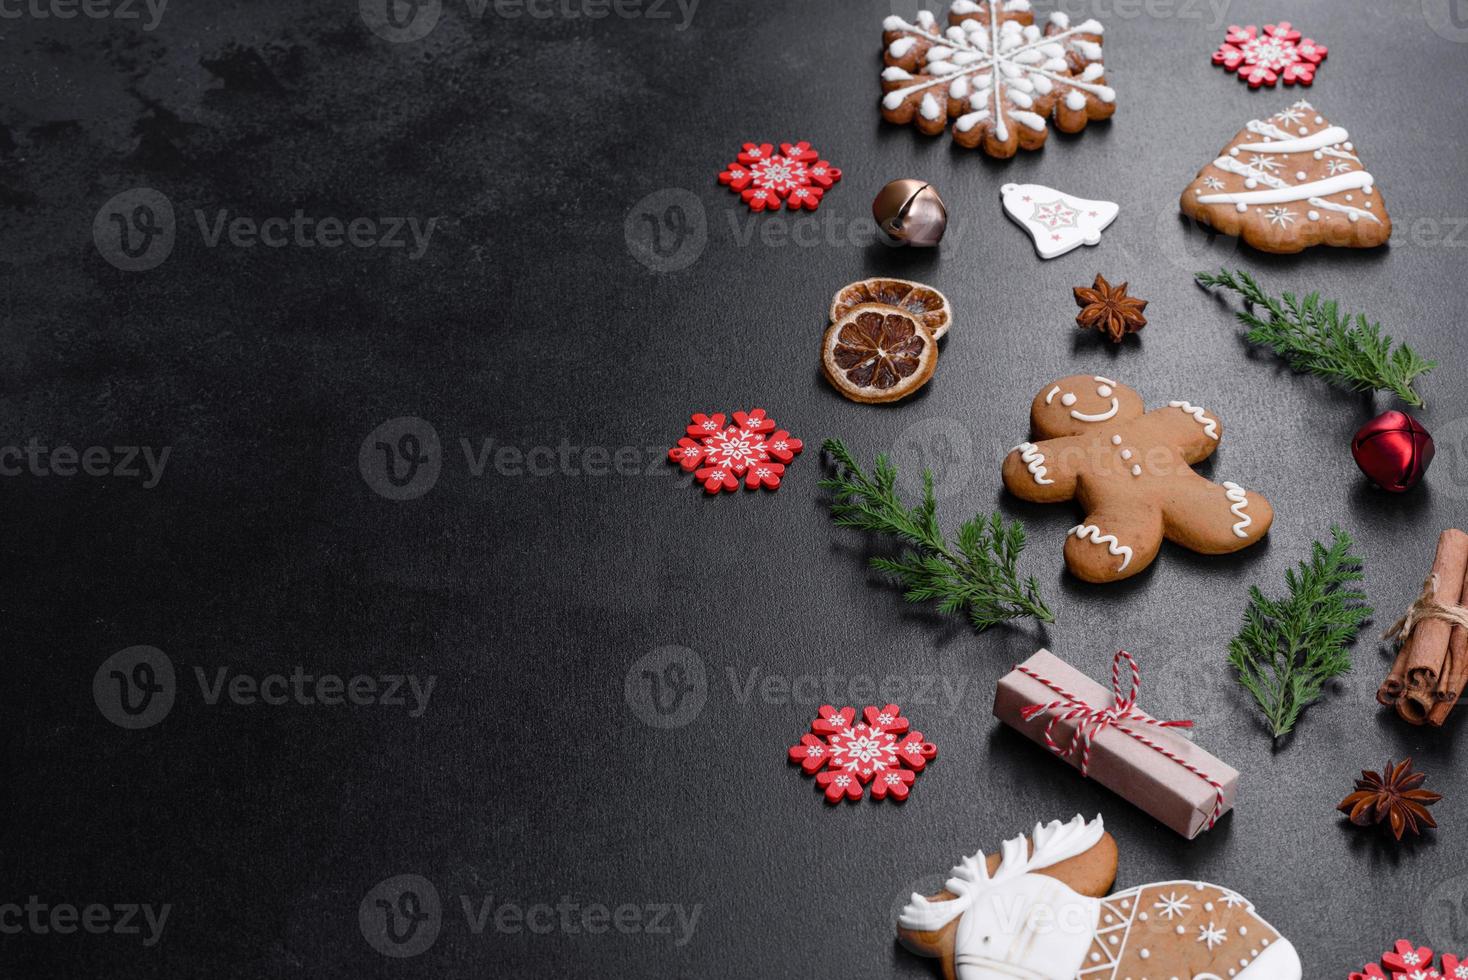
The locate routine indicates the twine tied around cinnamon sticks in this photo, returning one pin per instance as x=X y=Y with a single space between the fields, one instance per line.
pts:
x=1426 y=607
x=1432 y=665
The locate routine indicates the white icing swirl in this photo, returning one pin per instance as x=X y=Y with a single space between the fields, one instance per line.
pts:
x=1034 y=461
x=1092 y=533
x=1210 y=426
x=1240 y=499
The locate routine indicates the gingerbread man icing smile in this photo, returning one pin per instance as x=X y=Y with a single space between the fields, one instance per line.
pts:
x=1131 y=471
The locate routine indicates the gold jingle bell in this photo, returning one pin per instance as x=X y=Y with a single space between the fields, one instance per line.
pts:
x=910 y=212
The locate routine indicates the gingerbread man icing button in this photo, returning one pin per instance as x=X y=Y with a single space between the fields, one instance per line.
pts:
x=1131 y=470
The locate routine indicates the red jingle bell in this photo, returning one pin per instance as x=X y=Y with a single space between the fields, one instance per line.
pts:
x=1394 y=450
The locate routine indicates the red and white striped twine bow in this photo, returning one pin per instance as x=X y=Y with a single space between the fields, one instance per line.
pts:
x=1123 y=713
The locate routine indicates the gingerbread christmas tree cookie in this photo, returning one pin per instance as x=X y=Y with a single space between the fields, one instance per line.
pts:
x=1132 y=472
x=1288 y=182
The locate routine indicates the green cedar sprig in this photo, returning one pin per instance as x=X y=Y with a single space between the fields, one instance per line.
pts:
x=1315 y=337
x=977 y=573
x=1288 y=648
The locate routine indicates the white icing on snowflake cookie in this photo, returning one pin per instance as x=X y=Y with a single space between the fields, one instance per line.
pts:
x=1057 y=222
x=995 y=73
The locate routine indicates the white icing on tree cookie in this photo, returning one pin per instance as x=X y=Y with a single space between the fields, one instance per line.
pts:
x=1268 y=164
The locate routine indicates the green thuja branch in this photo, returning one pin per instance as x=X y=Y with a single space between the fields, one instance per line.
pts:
x=1289 y=647
x=1315 y=337
x=976 y=574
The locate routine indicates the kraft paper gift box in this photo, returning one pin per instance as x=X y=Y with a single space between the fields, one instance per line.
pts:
x=1188 y=801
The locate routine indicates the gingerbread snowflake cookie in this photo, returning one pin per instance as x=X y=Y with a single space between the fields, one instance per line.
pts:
x=995 y=73
x=1131 y=470
x=1041 y=908
x=1288 y=182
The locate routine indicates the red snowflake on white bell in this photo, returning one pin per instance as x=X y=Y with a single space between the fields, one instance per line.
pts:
x=719 y=455
x=1262 y=59
x=847 y=755
x=796 y=175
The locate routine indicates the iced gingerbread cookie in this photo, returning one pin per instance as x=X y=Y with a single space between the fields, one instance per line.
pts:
x=999 y=76
x=1037 y=910
x=1288 y=182
x=1131 y=471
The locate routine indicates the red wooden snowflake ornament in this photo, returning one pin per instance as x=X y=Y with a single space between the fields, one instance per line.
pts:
x=1262 y=59
x=845 y=757
x=796 y=175
x=718 y=454
x=1408 y=961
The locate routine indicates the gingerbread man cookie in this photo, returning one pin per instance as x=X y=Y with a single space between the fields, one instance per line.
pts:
x=1131 y=471
x=1040 y=909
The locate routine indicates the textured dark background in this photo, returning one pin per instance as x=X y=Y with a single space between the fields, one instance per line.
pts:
x=530 y=320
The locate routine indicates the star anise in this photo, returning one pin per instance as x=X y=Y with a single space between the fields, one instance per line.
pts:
x=1393 y=794
x=1109 y=309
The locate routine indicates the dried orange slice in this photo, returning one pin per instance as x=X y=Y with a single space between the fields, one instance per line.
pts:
x=923 y=302
x=878 y=353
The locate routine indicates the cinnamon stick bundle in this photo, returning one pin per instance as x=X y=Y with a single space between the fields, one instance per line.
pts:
x=1432 y=666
